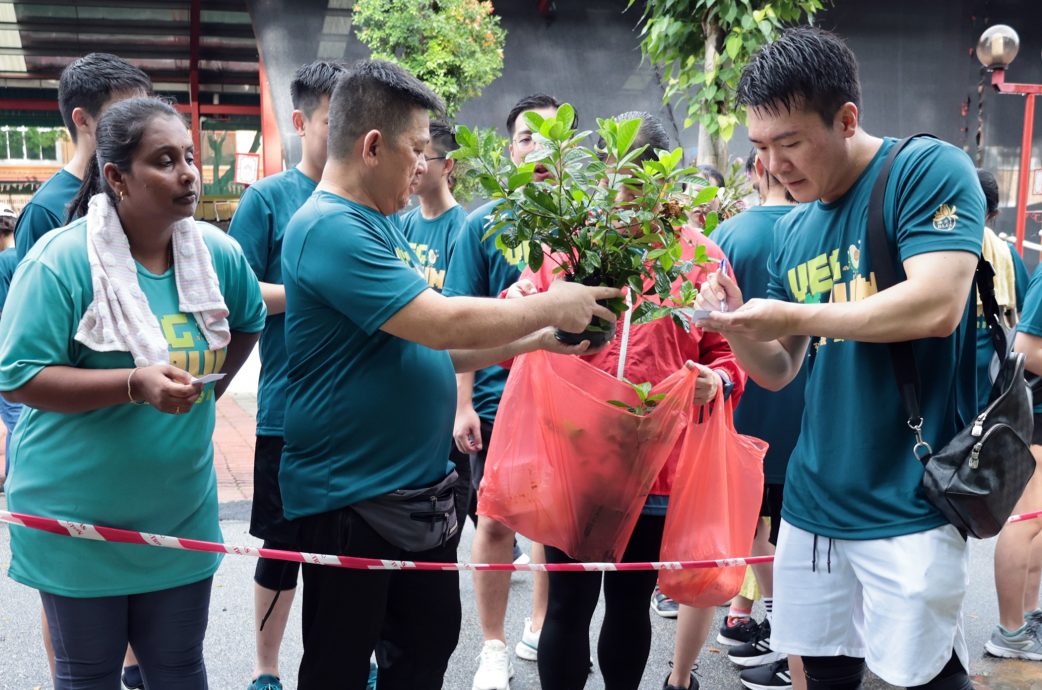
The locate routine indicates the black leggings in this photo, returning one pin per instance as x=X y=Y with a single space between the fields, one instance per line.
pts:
x=844 y=673
x=625 y=639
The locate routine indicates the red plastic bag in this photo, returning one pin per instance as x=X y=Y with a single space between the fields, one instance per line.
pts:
x=568 y=469
x=713 y=508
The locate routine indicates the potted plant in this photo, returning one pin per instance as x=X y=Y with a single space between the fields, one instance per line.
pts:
x=576 y=219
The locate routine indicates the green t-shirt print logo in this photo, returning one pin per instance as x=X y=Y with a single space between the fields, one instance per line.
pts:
x=946 y=218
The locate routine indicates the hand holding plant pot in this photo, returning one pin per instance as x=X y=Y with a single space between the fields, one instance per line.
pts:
x=607 y=215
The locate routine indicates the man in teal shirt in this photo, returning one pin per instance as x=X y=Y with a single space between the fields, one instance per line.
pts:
x=258 y=225
x=86 y=87
x=866 y=568
x=365 y=469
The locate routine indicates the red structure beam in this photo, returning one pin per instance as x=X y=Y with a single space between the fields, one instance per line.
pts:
x=1029 y=91
x=272 y=142
x=193 y=78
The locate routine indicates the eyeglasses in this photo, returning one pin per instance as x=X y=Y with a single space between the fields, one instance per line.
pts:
x=433 y=158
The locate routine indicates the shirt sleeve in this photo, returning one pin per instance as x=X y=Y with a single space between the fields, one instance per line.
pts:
x=252 y=227
x=1020 y=278
x=38 y=325
x=938 y=202
x=1031 y=314
x=34 y=222
x=357 y=271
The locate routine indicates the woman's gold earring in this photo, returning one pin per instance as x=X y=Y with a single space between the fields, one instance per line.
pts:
x=121 y=195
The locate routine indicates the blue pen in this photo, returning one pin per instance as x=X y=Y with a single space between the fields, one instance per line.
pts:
x=722 y=270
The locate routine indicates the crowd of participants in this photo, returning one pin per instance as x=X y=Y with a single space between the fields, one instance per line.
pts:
x=372 y=323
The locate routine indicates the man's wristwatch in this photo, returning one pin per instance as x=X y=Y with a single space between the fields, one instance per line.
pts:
x=728 y=383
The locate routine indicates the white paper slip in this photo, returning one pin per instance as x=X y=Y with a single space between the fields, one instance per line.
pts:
x=699 y=314
x=209 y=378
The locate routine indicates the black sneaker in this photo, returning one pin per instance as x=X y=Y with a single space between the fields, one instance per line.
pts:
x=741 y=633
x=770 y=677
x=663 y=605
x=693 y=686
x=132 y=678
x=757 y=652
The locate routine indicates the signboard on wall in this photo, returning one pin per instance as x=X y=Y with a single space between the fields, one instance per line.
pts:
x=247 y=168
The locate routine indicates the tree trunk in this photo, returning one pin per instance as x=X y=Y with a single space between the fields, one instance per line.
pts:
x=712 y=150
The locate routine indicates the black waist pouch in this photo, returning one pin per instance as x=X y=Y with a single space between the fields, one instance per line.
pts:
x=413 y=519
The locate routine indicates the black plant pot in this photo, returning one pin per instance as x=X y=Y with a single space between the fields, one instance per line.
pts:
x=599 y=332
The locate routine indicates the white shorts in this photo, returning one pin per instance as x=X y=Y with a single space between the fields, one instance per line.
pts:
x=895 y=602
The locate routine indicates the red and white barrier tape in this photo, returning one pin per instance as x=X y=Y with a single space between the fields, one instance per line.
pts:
x=112 y=534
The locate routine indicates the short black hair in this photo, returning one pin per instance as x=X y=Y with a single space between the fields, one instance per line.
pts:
x=375 y=94
x=991 y=191
x=93 y=79
x=443 y=137
x=534 y=102
x=750 y=163
x=313 y=81
x=652 y=134
x=712 y=175
x=806 y=68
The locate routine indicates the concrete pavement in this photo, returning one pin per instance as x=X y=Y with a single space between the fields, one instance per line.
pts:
x=229 y=644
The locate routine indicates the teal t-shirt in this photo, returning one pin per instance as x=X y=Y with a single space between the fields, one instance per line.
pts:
x=478 y=269
x=8 y=263
x=46 y=211
x=985 y=348
x=432 y=241
x=746 y=241
x=852 y=474
x=1031 y=315
x=258 y=226
x=126 y=466
x=366 y=413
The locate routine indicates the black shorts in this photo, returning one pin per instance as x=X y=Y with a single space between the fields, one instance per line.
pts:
x=771 y=507
x=266 y=519
x=1036 y=435
x=477 y=460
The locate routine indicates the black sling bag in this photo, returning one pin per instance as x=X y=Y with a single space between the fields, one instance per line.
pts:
x=978 y=477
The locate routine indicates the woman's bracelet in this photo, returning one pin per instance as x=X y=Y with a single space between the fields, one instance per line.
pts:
x=130 y=395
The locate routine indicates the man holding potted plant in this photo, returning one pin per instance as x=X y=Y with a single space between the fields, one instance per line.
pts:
x=369 y=402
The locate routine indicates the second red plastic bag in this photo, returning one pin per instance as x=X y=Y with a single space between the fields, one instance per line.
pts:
x=713 y=508
x=568 y=469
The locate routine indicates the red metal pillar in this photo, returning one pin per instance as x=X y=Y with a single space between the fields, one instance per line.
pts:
x=271 y=141
x=1025 y=169
x=193 y=80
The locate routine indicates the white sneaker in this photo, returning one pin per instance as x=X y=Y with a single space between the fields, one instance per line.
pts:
x=494 y=668
x=528 y=647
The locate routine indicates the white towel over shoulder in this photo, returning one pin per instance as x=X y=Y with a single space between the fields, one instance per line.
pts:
x=119 y=319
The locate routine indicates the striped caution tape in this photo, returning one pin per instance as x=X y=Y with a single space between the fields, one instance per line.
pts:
x=111 y=534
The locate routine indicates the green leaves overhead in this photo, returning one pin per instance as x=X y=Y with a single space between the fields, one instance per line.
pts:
x=702 y=46
x=454 y=46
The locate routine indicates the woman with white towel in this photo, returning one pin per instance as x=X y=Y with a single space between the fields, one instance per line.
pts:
x=110 y=322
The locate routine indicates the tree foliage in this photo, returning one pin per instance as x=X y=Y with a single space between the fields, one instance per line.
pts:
x=454 y=46
x=702 y=46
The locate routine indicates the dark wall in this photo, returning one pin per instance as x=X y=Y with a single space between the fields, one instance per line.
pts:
x=918 y=69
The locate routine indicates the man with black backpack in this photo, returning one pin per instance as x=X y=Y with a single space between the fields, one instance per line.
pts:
x=867 y=569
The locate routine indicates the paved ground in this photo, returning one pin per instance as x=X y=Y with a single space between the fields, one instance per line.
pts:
x=229 y=646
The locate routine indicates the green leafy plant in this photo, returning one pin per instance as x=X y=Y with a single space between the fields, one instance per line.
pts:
x=454 y=46
x=646 y=402
x=575 y=219
x=701 y=47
